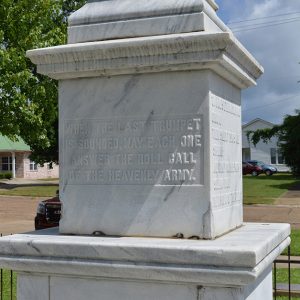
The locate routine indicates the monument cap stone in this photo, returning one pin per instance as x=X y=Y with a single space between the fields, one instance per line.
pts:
x=102 y=20
x=150 y=119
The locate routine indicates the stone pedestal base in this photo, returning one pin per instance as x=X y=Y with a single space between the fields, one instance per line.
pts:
x=56 y=267
x=42 y=287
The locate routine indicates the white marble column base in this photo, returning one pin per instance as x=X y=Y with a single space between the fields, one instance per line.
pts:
x=56 y=267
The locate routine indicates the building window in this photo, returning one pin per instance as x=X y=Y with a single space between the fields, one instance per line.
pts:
x=6 y=163
x=33 y=166
x=246 y=154
x=280 y=157
x=273 y=156
x=50 y=166
x=276 y=157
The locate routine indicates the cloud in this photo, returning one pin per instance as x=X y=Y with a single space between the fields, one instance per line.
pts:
x=276 y=47
x=262 y=9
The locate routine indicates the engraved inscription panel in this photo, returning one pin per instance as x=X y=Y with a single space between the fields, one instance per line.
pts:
x=226 y=152
x=123 y=151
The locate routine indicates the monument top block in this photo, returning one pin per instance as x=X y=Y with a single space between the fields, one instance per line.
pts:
x=117 y=10
x=150 y=119
x=102 y=20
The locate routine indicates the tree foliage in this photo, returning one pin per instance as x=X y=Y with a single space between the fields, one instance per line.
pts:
x=288 y=134
x=29 y=101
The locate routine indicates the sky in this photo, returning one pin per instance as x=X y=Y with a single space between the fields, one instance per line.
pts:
x=270 y=30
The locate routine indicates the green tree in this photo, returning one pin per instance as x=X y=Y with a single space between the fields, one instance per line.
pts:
x=288 y=134
x=29 y=101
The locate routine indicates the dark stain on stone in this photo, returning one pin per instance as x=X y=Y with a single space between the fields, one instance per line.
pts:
x=169 y=193
x=129 y=86
x=30 y=244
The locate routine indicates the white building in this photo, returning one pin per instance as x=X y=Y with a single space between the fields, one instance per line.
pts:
x=268 y=153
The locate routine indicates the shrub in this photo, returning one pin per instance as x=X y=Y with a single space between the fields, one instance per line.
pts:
x=7 y=175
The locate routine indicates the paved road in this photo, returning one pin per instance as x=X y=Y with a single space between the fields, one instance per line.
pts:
x=17 y=214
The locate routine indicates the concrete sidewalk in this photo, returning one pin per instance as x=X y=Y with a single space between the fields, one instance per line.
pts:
x=273 y=214
x=286 y=209
x=290 y=198
x=21 y=181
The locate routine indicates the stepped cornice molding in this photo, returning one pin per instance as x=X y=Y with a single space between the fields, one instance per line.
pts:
x=220 y=52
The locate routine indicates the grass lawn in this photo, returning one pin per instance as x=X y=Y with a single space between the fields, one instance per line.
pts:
x=282 y=274
x=31 y=191
x=6 y=277
x=287 y=298
x=295 y=244
x=48 y=179
x=266 y=189
x=282 y=277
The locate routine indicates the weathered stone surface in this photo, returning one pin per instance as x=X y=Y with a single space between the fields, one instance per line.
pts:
x=153 y=163
x=150 y=146
x=150 y=134
x=101 y=20
x=239 y=264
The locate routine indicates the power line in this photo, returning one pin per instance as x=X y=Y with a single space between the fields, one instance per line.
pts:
x=267 y=17
x=259 y=27
x=264 y=23
x=266 y=79
x=287 y=76
x=276 y=102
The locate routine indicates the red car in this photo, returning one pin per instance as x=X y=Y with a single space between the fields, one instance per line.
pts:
x=48 y=214
x=251 y=169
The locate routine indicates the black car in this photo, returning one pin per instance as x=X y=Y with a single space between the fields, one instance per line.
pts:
x=48 y=213
x=267 y=169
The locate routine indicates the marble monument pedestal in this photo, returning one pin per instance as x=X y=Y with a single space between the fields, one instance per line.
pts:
x=149 y=119
x=56 y=267
x=150 y=147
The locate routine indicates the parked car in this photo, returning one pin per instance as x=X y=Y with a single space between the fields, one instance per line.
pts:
x=48 y=213
x=267 y=169
x=251 y=169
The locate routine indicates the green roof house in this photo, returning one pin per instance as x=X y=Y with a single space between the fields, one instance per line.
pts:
x=14 y=158
x=8 y=145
